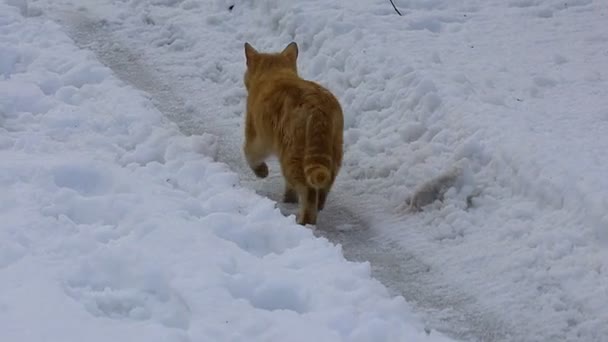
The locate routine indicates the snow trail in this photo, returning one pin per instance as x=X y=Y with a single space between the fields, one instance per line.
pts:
x=443 y=306
x=515 y=91
x=114 y=225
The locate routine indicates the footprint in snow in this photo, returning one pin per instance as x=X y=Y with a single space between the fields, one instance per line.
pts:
x=112 y=287
x=266 y=293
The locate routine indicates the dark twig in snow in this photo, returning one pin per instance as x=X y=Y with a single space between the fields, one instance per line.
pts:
x=395 y=7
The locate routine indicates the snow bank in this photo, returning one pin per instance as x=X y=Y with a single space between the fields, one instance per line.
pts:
x=514 y=92
x=117 y=227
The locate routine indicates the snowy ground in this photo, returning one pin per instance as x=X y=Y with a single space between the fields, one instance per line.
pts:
x=513 y=93
x=116 y=227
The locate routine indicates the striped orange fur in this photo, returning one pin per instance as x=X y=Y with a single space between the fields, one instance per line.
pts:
x=297 y=120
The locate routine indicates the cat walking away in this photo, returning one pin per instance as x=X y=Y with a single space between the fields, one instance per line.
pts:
x=297 y=120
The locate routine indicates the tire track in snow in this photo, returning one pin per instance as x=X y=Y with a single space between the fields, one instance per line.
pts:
x=443 y=307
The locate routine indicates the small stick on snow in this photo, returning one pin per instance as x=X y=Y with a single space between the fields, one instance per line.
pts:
x=395 y=7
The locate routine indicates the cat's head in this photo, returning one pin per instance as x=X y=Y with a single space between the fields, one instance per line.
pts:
x=259 y=64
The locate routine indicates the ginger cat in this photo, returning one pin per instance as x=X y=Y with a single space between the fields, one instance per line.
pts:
x=298 y=121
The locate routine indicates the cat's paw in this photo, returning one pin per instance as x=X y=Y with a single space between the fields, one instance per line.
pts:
x=261 y=171
x=290 y=196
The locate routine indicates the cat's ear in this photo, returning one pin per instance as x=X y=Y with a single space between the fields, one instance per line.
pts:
x=250 y=53
x=291 y=51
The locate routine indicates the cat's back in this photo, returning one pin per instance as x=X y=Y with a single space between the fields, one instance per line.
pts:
x=304 y=93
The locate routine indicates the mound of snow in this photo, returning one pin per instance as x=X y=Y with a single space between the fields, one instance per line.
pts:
x=117 y=227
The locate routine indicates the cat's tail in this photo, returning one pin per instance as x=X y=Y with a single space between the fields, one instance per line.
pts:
x=317 y=154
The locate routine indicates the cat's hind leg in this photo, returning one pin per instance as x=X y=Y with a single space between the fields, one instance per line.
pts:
x=308 y=206
x=256 y=155
x=324 y=192
x=290 y=195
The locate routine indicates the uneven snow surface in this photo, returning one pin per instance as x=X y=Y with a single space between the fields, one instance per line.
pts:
x=116 y=227
x=127 y=211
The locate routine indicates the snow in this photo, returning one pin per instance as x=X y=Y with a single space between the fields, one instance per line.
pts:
x=498 y=107
x=115 y=226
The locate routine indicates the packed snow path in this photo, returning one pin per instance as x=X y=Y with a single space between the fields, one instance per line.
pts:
x=515 y=92
x=402 y=272
x=115 y=226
